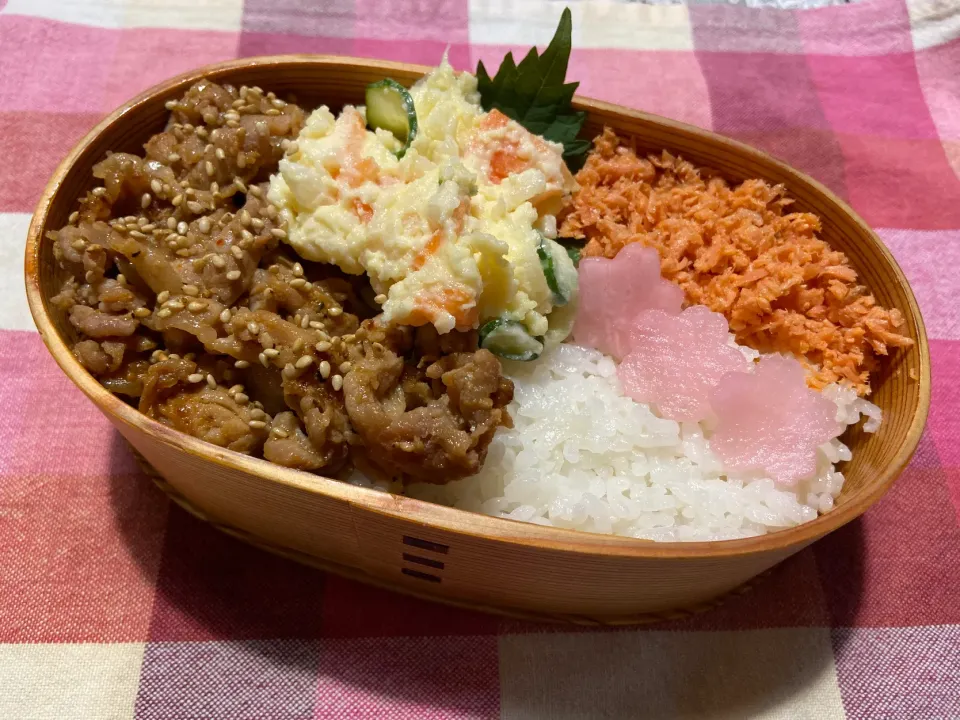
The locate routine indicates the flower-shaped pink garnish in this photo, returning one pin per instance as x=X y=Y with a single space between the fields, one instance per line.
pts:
x=770 y=420
x=675 y=361
x=612 y=294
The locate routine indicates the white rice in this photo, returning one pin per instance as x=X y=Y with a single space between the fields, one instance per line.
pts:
x=581 y=455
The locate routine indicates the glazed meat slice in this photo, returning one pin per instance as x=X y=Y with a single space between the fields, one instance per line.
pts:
x=433 y=425
x=177 y=395
x=289 y=446
x=322 y=412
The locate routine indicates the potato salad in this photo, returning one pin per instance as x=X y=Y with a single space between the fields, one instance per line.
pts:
x=449 y=209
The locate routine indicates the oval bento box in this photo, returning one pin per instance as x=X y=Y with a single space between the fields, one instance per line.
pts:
x=446 y=554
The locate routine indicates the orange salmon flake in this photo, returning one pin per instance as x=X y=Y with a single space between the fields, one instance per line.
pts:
x=735 y=249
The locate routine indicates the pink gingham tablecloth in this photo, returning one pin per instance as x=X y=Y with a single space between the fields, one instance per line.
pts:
x=116 y=604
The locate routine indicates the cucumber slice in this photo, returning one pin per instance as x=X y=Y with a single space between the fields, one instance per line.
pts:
x=510 y=340
x=574 y=248
x=556 y=265
x=390 y=106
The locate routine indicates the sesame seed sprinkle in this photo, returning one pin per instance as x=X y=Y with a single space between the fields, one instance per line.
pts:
x=380 y=299
x=156 y=186
x=323 y=346
x=203 y=224
x=163 y=296
x=191 y=290
x=233 y=275
x=278 y=233
x=263 y=360
x=194 y=378
x=241 y=364
x=253 y=328
x=236 y=252
x=304 y=362
x=271 y=352
x=241 y=398
x=225 y=315
x=145 y=201
x=257 y=424
x=141 y=313
x=337 y=382
x=279 y=432
x=218 y=261
x=197 y=306
x=345 y=366
x=324 y=369
x=74 y=216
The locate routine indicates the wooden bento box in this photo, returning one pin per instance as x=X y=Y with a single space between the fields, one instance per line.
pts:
x=451 y=555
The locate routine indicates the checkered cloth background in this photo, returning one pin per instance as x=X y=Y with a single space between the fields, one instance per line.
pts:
x=116 y=604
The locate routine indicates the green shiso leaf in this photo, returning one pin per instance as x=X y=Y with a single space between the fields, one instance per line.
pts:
x=535 y=95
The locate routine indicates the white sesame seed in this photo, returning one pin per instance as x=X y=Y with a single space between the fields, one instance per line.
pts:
x=215 y=187
x=203 y=224
x=289 y=370
x=218 y=261
x=236 y=252
x=145 y=201
x=197 y=306
x=195 y=207
x=257 y=224
x=177 y=199
x=149 y=227
x=241 y=160
x=173 y=157
x=191 y=290
x=163 y=296
x=278 y=233
x=156 y=186
x=164 y=313
x=323 y=346
x=170 y=104
x=337 y=382
x=304 y=361
x=241 y=398
x=279 y=432
x=271 y=352
x=141 y=313
x=345 y=366
x=184 y=252
x=172 y=223
x=221 y=155
x=305 y=322
x=233 y=275
x=255 y=190
x=244 y=217
x=211 y=170
x=74 y=216
x=182 y=227
x=100 y=191
x=225 y=315
x=334 y=311
x=324 y=369
x=78 y=244
x=316 y=325
x=263 y=360
x=241 y=364
x=380 y=299
x=257 y=424
x=246 y=235
x=253 y=328
x=194 y=378
x=298 y=282
x=293 y=148
x=175 y=305
x=272 y=111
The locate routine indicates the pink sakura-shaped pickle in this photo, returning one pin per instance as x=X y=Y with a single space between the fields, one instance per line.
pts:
x=613 y=292
x=676 y=360
x=769 y=420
